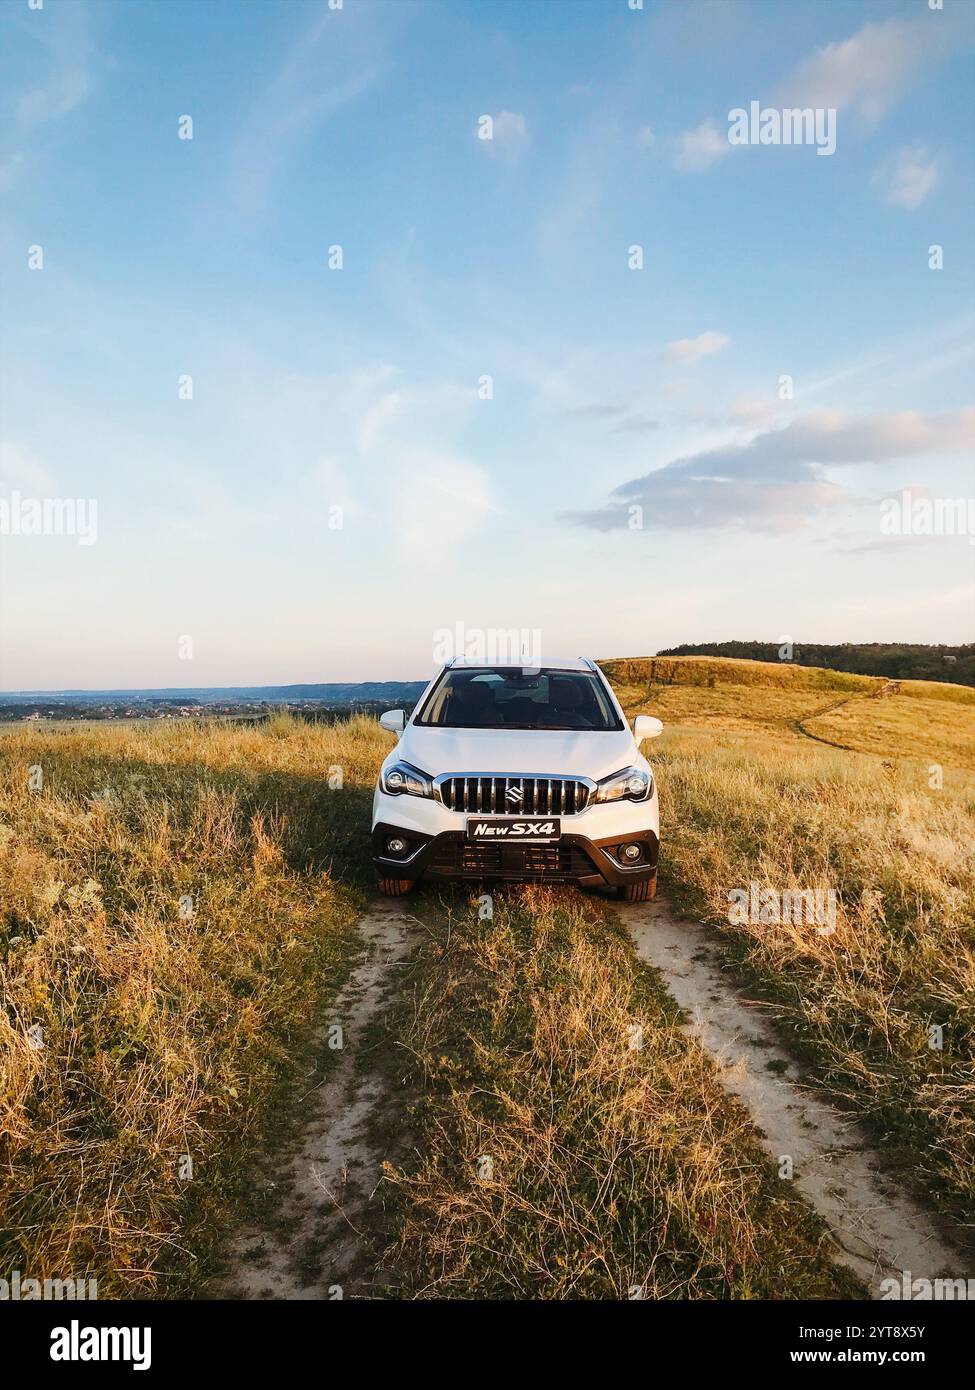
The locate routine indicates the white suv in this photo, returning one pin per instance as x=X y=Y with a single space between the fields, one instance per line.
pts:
x=519 y=774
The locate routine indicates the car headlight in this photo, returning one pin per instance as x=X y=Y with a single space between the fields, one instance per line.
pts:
x=403 y=779
x=631 y=784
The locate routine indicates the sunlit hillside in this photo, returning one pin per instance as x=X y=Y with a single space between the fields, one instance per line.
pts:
x=798 y=778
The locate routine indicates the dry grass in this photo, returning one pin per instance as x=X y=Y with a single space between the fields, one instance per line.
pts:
x=281 y=744
x=615 y=1167
x=162 y=1035
x=715 y=671
x=933 y=730
x=750 y=799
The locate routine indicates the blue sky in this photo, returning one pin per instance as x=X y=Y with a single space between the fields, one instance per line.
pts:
x=358 y=388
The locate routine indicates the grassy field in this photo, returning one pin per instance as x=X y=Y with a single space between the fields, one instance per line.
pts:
x=927 y=731
x=887 y=820
x=568 y=1140
x=179 y=905
x=177 y=902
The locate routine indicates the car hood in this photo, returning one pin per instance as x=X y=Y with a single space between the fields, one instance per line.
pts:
x=551 y=752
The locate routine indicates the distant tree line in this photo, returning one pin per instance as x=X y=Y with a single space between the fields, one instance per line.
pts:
x=893 y=660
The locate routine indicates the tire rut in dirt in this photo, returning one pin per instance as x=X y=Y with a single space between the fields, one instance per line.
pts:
x=879 y=1231
x=315 y=1245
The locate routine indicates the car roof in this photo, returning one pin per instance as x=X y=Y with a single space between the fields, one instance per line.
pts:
x=571 y=663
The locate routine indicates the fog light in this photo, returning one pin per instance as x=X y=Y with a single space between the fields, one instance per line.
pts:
x=630 y=853
x=396 y=845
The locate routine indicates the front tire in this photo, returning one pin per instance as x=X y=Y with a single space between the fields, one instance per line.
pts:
x=639 y=892
x=395 y=887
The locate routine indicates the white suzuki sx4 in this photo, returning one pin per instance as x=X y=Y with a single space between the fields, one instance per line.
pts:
x=518 y=774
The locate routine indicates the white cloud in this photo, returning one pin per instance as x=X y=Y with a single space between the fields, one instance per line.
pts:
x=63 y=64
x=697 y=149
x=377 y=418
x=64 y=90
x=908 y=177
x=589 y=172
x=693 y=349
x=830 y=436
x=870 y=70
x=778 y=478
x=645 y=136
x=416 y=415
x=509 y=134
x=866 y=73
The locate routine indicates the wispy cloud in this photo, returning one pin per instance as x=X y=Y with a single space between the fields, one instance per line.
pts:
x=64 y=66
x=621 y=419
x=66 y=87
x=580 y=186
x=66 y=75
x=906 y=179
x=693 y=349
x=865 y=73
x=431 y=488
x=902 y=362
x=339 y=56
x=420 y=482
x=699 y=148
x=636 y=424
x=872 y=69
x=777 y=478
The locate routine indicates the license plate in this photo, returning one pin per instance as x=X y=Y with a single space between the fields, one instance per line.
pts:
x=515 y=830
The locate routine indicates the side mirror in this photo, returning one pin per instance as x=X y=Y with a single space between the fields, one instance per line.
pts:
x=646 y=726
x=394 y=720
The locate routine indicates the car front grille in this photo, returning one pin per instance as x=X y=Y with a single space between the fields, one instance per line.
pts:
x=455 y=857
x=488 y=794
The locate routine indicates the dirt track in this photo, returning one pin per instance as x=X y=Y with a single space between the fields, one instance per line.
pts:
x=313 y=1248
x=877 y=1228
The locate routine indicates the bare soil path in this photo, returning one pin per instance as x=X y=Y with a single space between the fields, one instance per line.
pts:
x=878 y=1229
x=798 y=726
x=314 y=1245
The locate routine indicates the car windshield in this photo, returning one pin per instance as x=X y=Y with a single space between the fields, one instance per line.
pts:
x=508 y=697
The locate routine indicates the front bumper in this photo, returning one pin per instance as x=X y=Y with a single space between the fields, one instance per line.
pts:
x=575 y=858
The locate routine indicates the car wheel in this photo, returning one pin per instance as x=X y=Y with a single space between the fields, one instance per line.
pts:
x=639 y=892
x=395 y=887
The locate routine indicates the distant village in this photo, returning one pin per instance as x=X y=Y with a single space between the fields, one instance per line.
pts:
x=60 y=710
